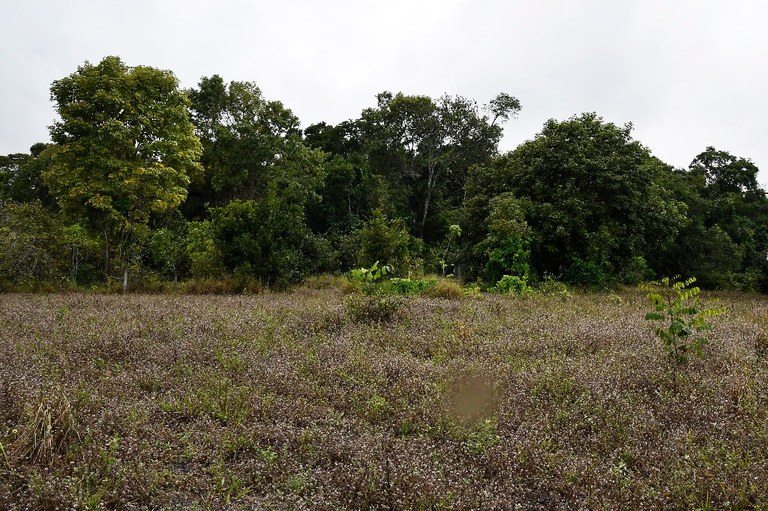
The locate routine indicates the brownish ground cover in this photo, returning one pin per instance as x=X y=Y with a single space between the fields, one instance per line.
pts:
x=289 y=401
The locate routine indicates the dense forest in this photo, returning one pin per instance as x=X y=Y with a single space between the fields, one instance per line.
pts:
x=218 y=183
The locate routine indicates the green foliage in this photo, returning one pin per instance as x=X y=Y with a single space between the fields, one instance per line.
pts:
x=370 y=275
x=201 y=250
x=550 y=286
x=410 y=286
x=387 y=241
x=589 y=273
x=587 y=196
x=32 y=248
x=125 y=147
x=372 y=308
x=685 y=319
x=446 y=289
x=505 y=248
x=724 y=172
x=451 y=252
x=511 y=284
x=218 y=182
x=167 y=251
x=636 y=271
x=267 y=239
x=21 y=177
x=251 y=146
x=368 y=280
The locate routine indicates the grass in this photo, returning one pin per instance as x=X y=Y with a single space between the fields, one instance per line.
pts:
x=297 y=401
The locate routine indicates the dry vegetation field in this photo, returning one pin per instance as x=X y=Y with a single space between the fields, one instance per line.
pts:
x=290 y=401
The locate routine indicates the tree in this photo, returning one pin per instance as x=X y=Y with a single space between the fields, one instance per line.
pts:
x=348 y=191
x=32 y=249
x=21 y=176
x=125 y=148
x=388 y=242
x=248 y=143
x=726 y=236
x=267 y=239
x=588 y=195
x=724 y=171
x=424 y=147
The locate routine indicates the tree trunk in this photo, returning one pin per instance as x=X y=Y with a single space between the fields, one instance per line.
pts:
x=431 y=181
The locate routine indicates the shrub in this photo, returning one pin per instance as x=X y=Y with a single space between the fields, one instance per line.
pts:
x=387 y=241
x=588 y=273
x=410 y=286
x=550 y=286
x=367 y=279
x=376 y=308
x=267 y=238
x=511 y=284
x=445 y=289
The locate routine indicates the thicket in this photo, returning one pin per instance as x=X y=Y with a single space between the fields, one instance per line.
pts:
x=219 y=184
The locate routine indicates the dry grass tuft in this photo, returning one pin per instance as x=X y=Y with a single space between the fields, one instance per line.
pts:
x=46 y=432
x=445 y=289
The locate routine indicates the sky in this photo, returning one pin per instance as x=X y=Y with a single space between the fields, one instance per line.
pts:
x=687 y=73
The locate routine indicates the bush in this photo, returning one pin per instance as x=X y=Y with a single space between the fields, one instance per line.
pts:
x=268 y=239
x=372 y=308
x=511 y=284
x=31 y=247
x=445 y=289
x=387 y=241
x=588 y=273
x=410 y=286
x=550 y=286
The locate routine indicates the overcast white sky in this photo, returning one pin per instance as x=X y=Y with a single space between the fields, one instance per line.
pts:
x=687 y=73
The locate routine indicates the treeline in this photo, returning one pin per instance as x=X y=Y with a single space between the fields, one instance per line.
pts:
x=220 y=183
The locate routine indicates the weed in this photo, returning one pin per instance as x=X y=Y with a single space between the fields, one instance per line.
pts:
x=551 y=286
x=367 y=278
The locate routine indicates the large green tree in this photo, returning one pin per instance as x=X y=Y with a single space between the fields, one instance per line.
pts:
x=21 y=176
x=249 y=142
x=424 y=147
x=725 y=240
x=125 y=148
x=591 y=198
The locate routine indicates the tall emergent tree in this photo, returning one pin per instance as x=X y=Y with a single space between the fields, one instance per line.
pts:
x=126 y=148
x=424 y=148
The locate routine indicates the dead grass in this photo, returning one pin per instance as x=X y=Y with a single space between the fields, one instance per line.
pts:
x=290 y=401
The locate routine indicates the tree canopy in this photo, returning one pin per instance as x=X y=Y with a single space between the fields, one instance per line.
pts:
x=125 y=146
x=220 y=182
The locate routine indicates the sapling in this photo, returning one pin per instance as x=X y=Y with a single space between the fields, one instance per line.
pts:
x=369 y=277
x=683 y=334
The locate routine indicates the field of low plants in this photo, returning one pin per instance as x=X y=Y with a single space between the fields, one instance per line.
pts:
x=313 y=399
